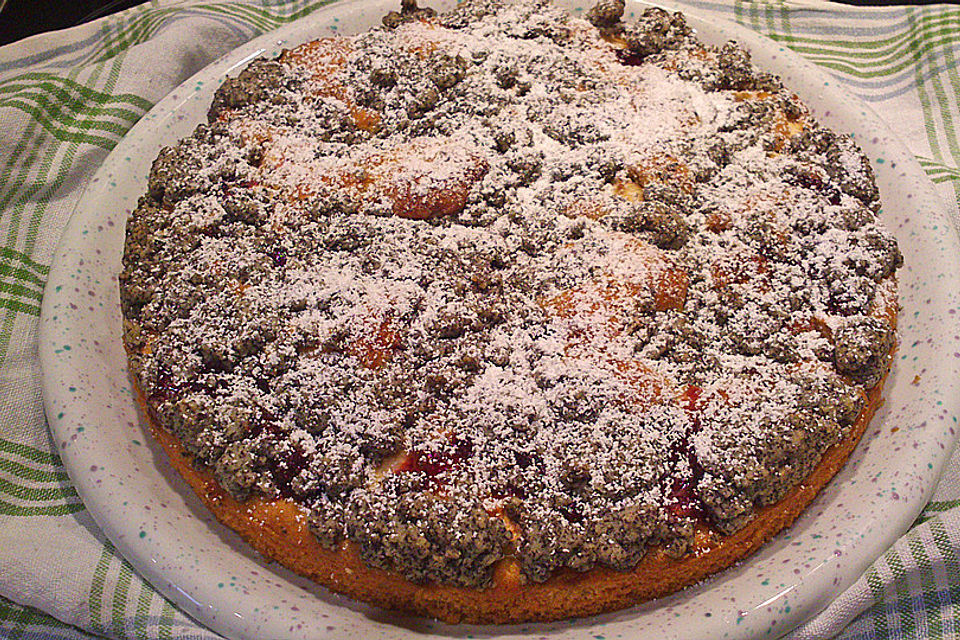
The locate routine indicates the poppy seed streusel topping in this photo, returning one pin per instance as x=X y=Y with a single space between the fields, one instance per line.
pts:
x=503 y=282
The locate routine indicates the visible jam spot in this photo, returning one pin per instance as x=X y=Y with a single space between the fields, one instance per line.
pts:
x=683 y=501
x=523 y=460
x=435 y=465
x=168 y=389
x=284 y=467
x=286 y=460
x=165 y=389
x=691 y=403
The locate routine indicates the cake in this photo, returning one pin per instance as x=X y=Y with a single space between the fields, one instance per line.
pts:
x=503 y=314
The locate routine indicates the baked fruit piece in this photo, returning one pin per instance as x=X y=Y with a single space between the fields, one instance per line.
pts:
x=504 y=315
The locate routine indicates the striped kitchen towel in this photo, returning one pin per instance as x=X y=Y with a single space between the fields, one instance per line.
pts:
x=67 y=98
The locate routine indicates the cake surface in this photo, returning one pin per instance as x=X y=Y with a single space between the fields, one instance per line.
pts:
x=506 y=315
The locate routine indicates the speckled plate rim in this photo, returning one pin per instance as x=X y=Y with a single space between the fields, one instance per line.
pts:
x=160 y=527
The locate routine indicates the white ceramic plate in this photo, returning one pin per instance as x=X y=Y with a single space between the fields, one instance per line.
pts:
x=160 y=527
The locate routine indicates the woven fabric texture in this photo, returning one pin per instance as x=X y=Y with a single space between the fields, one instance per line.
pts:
x=67 y=98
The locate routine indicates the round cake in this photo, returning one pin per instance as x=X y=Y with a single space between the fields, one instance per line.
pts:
x=505 y=315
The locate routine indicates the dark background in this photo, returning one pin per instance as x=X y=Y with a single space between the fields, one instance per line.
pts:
x=22 y=18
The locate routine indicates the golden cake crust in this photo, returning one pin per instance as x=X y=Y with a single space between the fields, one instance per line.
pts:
x=278 y=530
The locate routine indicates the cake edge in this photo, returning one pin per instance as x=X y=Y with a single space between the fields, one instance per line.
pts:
x=278 y=530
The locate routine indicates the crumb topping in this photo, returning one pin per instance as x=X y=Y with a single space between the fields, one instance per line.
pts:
x=503 y=282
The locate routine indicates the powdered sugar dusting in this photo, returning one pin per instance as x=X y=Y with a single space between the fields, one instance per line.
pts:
x=505 y=283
